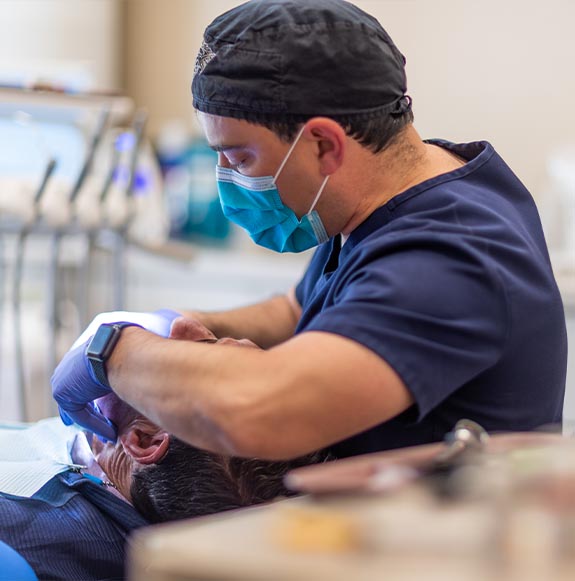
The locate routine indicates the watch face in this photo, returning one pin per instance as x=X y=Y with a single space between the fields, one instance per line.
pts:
x=100 y=342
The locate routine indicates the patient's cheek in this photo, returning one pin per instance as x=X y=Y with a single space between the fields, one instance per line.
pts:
x=102 y=452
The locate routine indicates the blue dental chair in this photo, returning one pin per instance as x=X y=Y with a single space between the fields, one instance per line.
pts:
x=13 y=567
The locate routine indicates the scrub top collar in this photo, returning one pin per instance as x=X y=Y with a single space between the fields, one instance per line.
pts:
x=476 y=153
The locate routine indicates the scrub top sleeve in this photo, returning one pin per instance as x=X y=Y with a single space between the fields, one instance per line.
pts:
x=438 y=318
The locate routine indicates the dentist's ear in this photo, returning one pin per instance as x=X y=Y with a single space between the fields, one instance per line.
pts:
x=145 y=442
x=331 y=142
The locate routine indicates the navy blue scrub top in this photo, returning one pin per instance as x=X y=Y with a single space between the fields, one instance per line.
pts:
x=450 y=283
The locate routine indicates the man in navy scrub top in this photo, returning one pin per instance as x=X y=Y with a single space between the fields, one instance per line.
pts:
x=429 y=298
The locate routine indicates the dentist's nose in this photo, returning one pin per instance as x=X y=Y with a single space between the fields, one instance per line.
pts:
x=223 y=160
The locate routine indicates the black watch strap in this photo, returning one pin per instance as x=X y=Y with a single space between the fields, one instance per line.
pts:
x=101 y=347
x=100 y=372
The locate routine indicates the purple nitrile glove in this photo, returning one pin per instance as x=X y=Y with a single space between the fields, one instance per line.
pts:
x=74 y=385
x=75 y=388
x=168 y=316
x=158 y=322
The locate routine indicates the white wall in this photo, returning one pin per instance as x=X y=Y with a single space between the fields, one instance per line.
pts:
x=496 y=70
x=49 y=40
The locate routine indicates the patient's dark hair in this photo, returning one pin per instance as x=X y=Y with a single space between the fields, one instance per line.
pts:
x=190 y=482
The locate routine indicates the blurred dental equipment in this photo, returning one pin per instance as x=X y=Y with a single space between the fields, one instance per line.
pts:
x=78 y=179
x=17 y=288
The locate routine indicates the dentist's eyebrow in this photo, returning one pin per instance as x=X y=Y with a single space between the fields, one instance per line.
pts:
x=223 y=148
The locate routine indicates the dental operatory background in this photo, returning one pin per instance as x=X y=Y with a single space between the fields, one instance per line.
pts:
x=107 y=190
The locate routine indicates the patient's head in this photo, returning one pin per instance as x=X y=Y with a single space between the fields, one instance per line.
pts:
x=166 y=479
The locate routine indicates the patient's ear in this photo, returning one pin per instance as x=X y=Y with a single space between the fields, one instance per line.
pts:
x=145 y=443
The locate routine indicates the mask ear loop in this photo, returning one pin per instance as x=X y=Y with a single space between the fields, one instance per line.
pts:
x=316 y=199
x=288 y=153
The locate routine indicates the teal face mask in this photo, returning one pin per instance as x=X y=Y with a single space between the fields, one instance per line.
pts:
x=254 y=203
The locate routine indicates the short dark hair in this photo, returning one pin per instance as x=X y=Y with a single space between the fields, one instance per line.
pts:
x=190 y=482
x=374 y=133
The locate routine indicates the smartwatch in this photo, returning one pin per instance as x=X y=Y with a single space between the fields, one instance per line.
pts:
x=101 y=346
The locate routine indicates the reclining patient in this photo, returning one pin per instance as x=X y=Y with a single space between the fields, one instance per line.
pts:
x=76 y=525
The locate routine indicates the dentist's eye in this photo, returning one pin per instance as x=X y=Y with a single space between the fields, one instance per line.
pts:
x=236 y=158
x=238 y=165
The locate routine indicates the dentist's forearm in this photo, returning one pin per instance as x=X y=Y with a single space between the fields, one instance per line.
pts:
x=189 y=388
x=273 y=404
x=267 y=324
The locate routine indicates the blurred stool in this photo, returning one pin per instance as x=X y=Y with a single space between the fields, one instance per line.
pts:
x=13 y=567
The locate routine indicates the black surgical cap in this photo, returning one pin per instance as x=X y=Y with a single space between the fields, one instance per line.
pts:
x=288 y=60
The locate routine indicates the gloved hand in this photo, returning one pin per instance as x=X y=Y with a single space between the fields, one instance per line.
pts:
x=74 y=385
x=158 y=322
x=75 y=388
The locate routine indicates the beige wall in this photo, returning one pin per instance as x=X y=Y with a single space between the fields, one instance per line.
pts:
x=501 y=70
x=69 y=42
x=161 y=40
